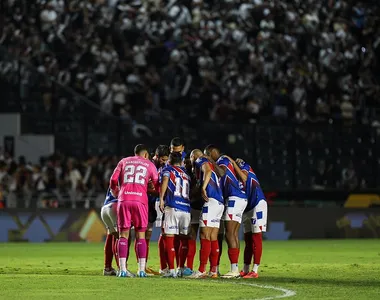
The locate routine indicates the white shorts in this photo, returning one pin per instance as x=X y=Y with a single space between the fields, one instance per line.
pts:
x=176 y=221
x=234 y=209
x=159 y=218
x=212 y=212
x=255 y=220
x=109 y=216
x=195 y=216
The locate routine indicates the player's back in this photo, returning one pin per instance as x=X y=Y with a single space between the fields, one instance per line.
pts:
x=177 y=194
x=135 y=174
x=213 y=188
x=230 y=183
x=253 y=188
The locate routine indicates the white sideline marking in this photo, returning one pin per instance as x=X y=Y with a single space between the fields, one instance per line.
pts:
x=285 y=292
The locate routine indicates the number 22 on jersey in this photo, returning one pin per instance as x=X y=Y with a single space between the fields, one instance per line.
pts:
x=134 y=174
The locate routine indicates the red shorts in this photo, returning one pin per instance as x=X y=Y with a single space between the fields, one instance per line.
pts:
x=132 y=213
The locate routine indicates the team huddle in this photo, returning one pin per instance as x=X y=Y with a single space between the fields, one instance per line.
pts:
x=207 y=192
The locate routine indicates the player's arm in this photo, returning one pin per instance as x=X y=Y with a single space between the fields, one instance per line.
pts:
x=220 y=170
x=164 y=187
x=239 y=172
x=154 y=177
x=114 y=181
x=206 y=170
x=151 y=190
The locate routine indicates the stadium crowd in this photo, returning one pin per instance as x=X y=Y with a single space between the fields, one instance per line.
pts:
x=219 y=60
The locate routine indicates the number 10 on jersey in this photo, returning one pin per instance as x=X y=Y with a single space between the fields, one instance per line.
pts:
x=181 y=188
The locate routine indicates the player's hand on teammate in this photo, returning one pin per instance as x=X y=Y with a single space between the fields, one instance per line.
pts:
x=115 y=192
x=204 y=195
x=239 y=161
x=162 y=205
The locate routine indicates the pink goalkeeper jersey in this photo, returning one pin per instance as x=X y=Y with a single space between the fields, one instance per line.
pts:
x=134 y=173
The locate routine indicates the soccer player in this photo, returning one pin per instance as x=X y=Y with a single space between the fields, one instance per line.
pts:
x=175 y=204
x=196 y=204
x=254 y=218
x=236 y=202
x=108 y=215
x=160 y=159
x=135 y=173
x=177 y=145
x=212 y=212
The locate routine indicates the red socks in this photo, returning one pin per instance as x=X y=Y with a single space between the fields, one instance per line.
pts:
x=177 y=244
x=204 y=254
x=183 y=250
x=170 y=251
x=108 y=251
x=115 y=250
x=233 y=255
x=214 y=256
x=248 y=250
x=162 y=252
x=257 y=245
x=192 y=249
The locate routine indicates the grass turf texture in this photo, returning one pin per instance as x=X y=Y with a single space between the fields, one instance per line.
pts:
x=327 y=269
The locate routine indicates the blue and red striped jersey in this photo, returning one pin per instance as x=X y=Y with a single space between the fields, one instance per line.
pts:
x=252 y=188
x=213 y=189
x=177 y=193
x=231 y=185
x=109 y=198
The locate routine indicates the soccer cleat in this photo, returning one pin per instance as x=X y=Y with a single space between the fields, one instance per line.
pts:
x=122 y=274
x=164 y=271
x=213 y=275
x=150 y=271
x=242 y=273
x=142 y=274
x=251 y=275
x=130 y=274
x=170 y=275
x=198 y=274
x=109 y=272
x=187 y=272
x=230 y=275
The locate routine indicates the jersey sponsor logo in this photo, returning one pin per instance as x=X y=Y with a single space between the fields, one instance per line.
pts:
x=133 y=193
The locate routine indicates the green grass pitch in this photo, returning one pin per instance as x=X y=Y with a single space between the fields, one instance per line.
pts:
x=328 y=269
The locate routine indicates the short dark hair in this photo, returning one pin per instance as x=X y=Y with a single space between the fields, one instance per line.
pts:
x=176 y=142
x=211 y=147
x=175 y=158
x=162 y=150
x=140 y=148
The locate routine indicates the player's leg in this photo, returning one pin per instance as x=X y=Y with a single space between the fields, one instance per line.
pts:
x=248 y=250
x=233 y=218
x=217 y=213
x=192 y=246
x=259 y=224
x=124 y=225
x=184 y=227
x=205 y=237
x=192 y=242
x=221 y=238
x=170 y=226
x=108 y=245
x=177 y=243
x=140 y=220
x=113 y=218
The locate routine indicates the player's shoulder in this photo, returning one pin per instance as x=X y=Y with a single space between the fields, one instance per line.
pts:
x=223 y=160
x=201 y=160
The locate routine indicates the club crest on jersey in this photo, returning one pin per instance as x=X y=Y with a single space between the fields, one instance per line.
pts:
x=253 y=220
